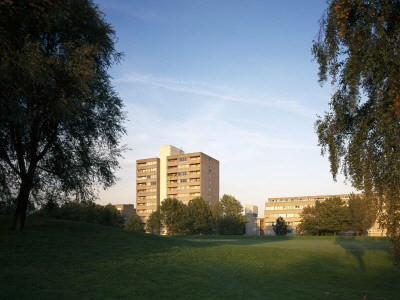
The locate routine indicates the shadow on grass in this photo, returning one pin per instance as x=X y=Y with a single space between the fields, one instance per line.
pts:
x=353 y=247
x=106 y=263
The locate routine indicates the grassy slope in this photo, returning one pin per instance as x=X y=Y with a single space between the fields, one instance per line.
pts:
x=58 y=259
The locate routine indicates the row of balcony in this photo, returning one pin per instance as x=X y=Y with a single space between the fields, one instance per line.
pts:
x=180 y=159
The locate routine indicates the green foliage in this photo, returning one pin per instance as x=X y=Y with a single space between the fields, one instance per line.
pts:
x=308 y=221
x=230 y=206
x=60 y=119
x=326 y=217
x=362 y=213
x=228 y=218
x=174 y=216
x=358 y=47
x=231 y=225
x=332 y=215
x=154 y=222
x=135 y=223
x=280 y=227
x=200 y=217
x=85 y=211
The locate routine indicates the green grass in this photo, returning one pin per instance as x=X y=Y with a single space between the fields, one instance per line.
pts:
x=55 y=259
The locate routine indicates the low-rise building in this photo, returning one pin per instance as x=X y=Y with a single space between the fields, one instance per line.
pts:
x=290 y=208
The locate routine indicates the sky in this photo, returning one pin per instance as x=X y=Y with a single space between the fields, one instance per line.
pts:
x=233 y=79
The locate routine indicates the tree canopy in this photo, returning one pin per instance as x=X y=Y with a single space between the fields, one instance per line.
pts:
x=200 y=217
x=362 y=213
x=280 y=227
x=135 y=224
x=173 y=216
x=326 y=217
x=228 y=218
x=60 y=119
x=358 y=47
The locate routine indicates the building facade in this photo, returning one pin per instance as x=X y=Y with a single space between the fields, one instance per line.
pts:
x=147 y=187
x=290 y=208
x=126 y=210
x=175 y=174
x=252 y=224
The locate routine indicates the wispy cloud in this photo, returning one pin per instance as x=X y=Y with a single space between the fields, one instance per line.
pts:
x=217 y=91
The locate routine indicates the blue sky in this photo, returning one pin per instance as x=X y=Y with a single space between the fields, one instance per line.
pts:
x=232 y=79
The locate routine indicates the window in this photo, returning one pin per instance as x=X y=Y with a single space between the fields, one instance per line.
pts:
x=182 y=173
x=153 y=183
x=183 y=195
x=182 y=158
x=183 y=180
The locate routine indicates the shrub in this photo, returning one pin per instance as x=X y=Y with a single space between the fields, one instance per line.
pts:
x=135 y=224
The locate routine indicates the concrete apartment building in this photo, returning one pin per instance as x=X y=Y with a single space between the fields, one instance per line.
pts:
x=175 y=174
x=289 y=208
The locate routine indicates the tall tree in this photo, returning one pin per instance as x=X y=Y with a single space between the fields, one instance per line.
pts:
x=308 y=221
x=228 y=218
x=329 y=216
x=60 y=119
x=200 y=217
x=362 y=213
x=332 y=216
x=174 y=216
x=230 y=205
x=154 y=222
x=359 y=48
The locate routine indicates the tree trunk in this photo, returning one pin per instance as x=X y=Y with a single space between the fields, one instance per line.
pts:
x=357 y=232
x=22 y=205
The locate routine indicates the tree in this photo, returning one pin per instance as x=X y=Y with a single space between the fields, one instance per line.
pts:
x=308 y=221
x=200 y=217
x=154 y=222
x=358 y=47
x=329 y=216
x=228 y=216
x=135 y=223
x=231 y=225
x=231 y=206
x=332 y=215
x=280 y=228
x=60 y=119
x=84 y=211
x=174 y=216
x=362 y=213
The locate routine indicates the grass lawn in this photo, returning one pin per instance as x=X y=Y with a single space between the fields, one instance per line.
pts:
x=55 y=259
